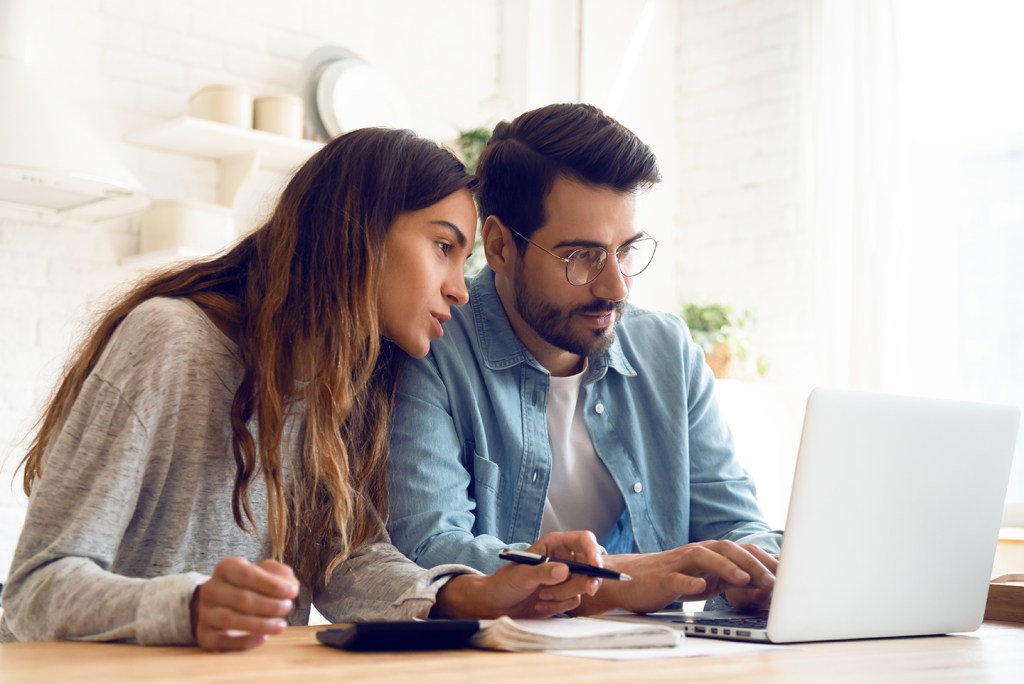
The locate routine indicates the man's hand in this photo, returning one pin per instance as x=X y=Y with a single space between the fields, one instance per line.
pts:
x=525 y=591
x=242 y=604
x=688 y=573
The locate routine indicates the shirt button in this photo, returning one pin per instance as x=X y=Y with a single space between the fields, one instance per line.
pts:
x=599 y=408
x=637 y=487
x=534 y=478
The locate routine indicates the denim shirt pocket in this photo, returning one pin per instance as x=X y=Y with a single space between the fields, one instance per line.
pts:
x=486 y=485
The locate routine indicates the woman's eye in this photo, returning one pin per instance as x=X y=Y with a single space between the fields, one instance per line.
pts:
x=445 y=247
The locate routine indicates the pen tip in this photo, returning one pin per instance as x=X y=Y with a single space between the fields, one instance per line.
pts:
x=624 y=576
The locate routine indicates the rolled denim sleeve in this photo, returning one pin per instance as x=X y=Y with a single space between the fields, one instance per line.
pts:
x=723 y=500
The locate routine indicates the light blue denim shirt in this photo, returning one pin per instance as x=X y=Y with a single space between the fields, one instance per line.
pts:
x=471 y=459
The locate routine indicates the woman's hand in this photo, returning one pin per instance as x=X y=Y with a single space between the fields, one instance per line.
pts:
x=525 y=591
x=242 y=604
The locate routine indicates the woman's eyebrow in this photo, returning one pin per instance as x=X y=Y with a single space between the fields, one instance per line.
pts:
x=460 y=237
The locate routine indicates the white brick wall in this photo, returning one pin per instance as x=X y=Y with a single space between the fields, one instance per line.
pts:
x=127 y=64
x=739 y=81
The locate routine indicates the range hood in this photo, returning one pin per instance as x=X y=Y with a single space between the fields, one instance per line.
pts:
x=50 y=162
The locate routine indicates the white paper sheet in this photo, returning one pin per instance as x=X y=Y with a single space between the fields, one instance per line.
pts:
x=688 y=647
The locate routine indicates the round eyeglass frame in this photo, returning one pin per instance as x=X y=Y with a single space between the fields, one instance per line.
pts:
x=593 y=275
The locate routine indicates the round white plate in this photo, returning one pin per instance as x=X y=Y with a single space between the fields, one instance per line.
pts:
x=351 y=94
x=343 y=93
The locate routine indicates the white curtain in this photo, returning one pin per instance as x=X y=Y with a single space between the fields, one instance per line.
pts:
x=915 y=198
x=850 y=122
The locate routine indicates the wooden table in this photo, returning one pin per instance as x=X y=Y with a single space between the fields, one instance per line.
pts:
x=995 y=653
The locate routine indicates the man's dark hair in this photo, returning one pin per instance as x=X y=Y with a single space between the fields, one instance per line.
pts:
x=577 y=141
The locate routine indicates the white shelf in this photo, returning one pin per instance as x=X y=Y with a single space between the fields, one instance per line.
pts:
x=214 y=140
x=239 y=152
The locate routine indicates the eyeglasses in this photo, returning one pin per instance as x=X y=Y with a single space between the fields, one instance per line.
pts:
x=583 y=265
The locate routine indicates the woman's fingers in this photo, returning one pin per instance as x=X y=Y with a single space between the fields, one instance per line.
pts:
x=212 y=640
x=547 y=608
x=268 y=578
x=242 y=603
x=229 y=621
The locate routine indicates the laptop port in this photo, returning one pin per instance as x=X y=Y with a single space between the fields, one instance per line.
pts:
x=727 y=632
x=743 y=632
x=714 y=630
x=700 y=630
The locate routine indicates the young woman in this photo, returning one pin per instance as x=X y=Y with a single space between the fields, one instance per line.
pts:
x=213 y=458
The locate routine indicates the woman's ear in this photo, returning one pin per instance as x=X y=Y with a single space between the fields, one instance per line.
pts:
x=497 y=242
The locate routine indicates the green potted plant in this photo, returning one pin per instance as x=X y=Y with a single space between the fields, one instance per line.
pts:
x=723 y=334
x=469 y=145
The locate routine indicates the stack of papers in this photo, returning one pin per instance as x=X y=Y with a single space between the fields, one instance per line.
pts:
x=506 y=634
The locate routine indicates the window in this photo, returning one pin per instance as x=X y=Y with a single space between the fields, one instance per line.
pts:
x=915 y=204
x=960 y=203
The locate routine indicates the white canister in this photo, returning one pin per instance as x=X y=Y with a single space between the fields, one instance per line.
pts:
x=197 y=227
x=281 y=114
x=226 y=103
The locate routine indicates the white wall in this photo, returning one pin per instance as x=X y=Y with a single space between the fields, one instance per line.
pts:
x=629 y=69
x=739 y=76
x=128 y=64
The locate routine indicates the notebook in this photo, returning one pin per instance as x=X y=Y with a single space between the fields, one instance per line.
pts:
x=502 y=634
x=893 y=520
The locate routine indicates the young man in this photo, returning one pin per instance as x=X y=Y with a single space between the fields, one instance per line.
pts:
x=552 y=404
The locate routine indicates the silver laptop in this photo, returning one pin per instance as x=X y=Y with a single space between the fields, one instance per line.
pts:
x=892 y=525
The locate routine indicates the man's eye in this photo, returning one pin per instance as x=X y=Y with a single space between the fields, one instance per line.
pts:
x=586 y=256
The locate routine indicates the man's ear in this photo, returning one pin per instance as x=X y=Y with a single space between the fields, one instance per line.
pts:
x=498 y=245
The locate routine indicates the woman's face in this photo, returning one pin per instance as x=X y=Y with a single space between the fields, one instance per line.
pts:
x=426 y=251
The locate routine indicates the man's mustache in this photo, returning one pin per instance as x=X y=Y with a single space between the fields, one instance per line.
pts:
x=601 y=306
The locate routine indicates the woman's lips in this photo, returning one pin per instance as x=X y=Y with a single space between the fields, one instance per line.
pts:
x=439 y=321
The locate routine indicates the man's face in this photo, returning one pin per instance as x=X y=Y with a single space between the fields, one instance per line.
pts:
x=561 y=323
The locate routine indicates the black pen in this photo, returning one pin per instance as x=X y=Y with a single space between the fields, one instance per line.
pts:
x=579 y=568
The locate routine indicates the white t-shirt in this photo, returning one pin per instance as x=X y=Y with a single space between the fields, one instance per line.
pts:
x=581 y=493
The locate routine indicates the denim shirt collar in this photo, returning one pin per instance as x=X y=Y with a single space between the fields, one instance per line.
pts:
x=500 y=347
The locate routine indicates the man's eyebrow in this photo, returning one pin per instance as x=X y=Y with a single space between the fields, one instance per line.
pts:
x=592 y=243
x=460 y=237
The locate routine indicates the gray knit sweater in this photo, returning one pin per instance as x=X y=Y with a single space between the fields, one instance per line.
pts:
x=133 y=509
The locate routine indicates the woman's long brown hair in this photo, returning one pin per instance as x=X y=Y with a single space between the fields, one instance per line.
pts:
x=301 y=296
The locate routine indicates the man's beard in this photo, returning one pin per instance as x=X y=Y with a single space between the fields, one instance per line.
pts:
x=554 y=326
